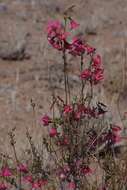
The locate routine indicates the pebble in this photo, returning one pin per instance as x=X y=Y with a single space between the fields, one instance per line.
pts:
x=3 y=8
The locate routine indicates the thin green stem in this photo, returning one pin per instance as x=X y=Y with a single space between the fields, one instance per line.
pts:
x=82 y=86
x=65 y=76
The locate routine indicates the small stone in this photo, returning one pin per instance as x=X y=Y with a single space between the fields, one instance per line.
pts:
x=91 y=30
x=3 y=8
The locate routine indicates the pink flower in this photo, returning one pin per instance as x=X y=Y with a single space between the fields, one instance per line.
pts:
x=54 y=25
x=86 y=74
x=87 y=170
x=71 y=185
x=78 y=163
x=36 y=185
x=3 y=186
x=43 y=182
x=23 y=168
x=53 y=132
x=39 y=183
x=45 y=120
x=113 y=138
x=63 y=141
x=56 y=34
x=116 y=138
x=116 y=129
x=77 y=115
x=82 y=109
x=116 y=134
x=89 y=49
x=66 y=168
x=98 y=75
x=67 y=109
x=73 y=24
x=5 y=172
x=28 y=179
x=77 y=47
x=125 y=114
x=62 y=176
x=96 y=61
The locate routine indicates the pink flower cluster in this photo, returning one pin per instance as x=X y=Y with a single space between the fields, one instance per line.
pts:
x=66 y=130
x=63 y=140
x=57 y=37
x=35 y=184
x=74 y=112
x=94 y=73
x=64 y=173
x=3 y=186
x=5 y=172
x=23 y=168
x=108 y=139
x=78 y=47
x=115 y=134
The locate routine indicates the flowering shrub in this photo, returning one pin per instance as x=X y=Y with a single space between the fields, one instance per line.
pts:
x=81 y=130
x=79 y=133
